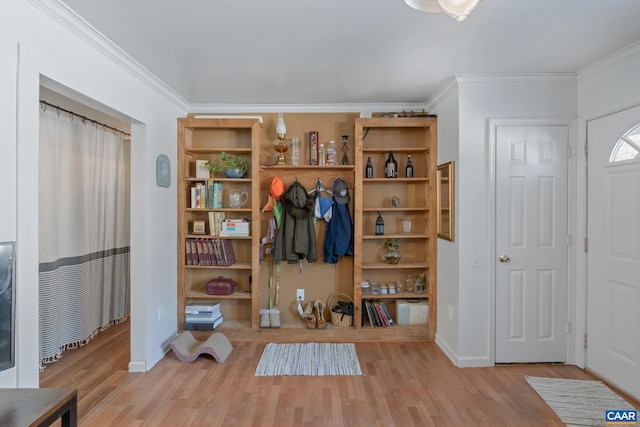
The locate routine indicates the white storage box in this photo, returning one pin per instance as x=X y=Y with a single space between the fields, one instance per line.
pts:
x=412 y=312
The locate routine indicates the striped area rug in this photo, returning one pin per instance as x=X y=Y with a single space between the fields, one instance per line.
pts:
x=308 y=359
x=578 y=402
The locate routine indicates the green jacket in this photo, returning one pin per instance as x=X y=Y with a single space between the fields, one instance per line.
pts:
x=296 y=237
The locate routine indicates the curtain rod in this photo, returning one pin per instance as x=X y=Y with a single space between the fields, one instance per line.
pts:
x=45 y=104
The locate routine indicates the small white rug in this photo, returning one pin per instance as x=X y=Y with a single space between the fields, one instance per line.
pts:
x=309 y=359
x=578 y=402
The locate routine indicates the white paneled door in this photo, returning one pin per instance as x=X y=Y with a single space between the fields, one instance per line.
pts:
x=613 y=286
x=531 y=244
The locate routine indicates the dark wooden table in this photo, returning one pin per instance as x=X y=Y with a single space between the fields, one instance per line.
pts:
x=22 y=407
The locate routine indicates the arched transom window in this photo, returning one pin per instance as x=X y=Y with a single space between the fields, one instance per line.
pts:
x=628 y=147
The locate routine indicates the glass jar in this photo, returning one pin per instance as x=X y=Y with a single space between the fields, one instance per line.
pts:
x=374 y=288
x=399 y=287
x=408 y=283
x=392 y=289
x=384 y=289
x=365 y=287
x=419 y=285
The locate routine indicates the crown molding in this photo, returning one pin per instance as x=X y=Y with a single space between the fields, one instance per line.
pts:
x=450 y=86
x=77 y=25
x=516 y=79
x=304 y=108
x=607 y=63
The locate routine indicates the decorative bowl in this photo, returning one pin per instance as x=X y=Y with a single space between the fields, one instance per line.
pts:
x=234 y=173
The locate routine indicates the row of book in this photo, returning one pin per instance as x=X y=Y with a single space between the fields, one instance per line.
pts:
x=207 y=195
x=202 y=316
x=377 y=313
x=209 y=252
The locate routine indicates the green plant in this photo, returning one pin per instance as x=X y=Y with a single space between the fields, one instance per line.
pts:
x=392 y=243
x=227 y=161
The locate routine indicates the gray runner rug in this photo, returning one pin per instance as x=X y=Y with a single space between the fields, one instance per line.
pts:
x=309 y=359
x=578 y=402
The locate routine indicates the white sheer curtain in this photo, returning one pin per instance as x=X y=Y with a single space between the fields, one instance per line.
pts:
x=83 y=230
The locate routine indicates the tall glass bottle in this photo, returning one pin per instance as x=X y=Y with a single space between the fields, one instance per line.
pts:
x=391 y=167
x=368 y=170
x=409 y=168
x=322 y=155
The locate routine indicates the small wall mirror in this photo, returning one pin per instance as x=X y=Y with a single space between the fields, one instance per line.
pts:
x=446 y=201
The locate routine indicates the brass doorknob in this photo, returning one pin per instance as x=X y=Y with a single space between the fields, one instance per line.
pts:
x=505 y=259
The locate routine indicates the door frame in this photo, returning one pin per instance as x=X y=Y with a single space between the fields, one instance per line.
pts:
x=577 y=233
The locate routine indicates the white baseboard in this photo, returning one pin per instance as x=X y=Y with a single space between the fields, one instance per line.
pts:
x=464 y=361
x=137 y=367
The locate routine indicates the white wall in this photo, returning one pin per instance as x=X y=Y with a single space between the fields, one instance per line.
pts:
x=40 y=38
x=445 y=104
x=481 y=99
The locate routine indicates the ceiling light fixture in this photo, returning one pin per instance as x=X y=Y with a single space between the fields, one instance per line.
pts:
x=458 y=9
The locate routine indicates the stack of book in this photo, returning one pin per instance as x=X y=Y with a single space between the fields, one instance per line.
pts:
x=235 y=228
x=209 y=252
x=202 y=316
x=377 y=313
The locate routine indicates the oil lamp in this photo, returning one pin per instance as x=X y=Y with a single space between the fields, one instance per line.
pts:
x=281 y=147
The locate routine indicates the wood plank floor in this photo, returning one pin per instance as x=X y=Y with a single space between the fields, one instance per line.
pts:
x=404 y=384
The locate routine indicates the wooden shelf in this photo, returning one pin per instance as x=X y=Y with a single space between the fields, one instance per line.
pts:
x=395 y=236
x=404 y=295
x=236 y=266
x=204 y=295
x=401 y=266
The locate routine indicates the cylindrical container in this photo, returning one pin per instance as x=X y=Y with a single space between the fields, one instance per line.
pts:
x=399 y=287
x=313 y=147
x=322 y=155
x=384 y=289
x=392 y=289
x=419 y=286
x=295 y=151
x=365 y=287
x=332 y=153
x=374 y=288
x=408 y=283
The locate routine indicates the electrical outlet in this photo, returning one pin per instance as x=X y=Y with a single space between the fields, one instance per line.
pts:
x=300 y=294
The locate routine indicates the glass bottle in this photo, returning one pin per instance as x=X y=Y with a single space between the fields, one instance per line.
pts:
x=391 y=167
x=368 y=171
x=399 y=287
x=379 y=225
x=332 y=153
x=295 y=150
x=322 y=155
x=409 y=168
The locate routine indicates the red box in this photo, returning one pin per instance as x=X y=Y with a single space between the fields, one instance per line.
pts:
x=220 y=286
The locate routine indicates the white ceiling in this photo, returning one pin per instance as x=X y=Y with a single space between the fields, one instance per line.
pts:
x=352 y=51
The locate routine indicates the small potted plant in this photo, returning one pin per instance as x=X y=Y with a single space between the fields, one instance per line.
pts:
x=232 y=166
x=392 y=254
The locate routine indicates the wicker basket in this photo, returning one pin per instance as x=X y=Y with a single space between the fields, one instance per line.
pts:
x=339 y=319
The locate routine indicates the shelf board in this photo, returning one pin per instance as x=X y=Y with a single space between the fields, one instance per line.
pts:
x=217 y=179
x=308 y=167
x=383 y=266
x=396 y=180
x=205 y=295
x=394 y=236
x=395 y=150
x=236 y=266
x=218 y=210
x=209 y=236
x=407 y=209
x=404 y=295
x=216 y=150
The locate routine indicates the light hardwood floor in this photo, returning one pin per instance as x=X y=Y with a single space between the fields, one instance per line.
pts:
x=404 y=384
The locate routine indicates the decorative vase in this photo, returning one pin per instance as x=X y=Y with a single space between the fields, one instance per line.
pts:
x=234 y=173
x=392 y=256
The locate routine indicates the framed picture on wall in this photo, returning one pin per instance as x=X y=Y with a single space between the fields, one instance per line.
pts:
x=7 y=306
